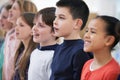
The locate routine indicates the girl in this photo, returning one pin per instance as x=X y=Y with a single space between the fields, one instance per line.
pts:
x=11 y=44
x=5 y=27
x=23 y=33
x=101 y=36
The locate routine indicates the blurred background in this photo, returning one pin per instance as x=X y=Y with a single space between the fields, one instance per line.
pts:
x=109 y=7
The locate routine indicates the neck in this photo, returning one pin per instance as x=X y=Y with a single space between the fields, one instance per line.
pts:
x=26 y=43
x=101 y=58
x=73 y=36
x=49 y=42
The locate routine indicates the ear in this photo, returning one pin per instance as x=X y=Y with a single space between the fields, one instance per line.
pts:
x=110 y=40
x=78 y=23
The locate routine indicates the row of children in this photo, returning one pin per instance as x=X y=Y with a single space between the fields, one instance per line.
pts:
x=34 y=54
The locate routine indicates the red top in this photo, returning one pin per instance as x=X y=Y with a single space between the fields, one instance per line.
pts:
x=109 y=71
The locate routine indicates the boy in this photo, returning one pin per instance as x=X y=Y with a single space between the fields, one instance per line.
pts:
x=69 y=58
x=43 y=33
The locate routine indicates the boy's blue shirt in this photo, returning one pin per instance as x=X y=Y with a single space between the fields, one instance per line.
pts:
x=68 y=60
x=118 y=77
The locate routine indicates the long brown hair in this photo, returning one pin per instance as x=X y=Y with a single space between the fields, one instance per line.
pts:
x=24 y=61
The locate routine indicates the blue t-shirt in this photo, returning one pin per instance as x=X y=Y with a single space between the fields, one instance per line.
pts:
x=118 y=77
x=68 y=60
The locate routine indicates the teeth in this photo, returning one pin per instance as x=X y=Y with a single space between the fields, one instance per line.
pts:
x=86 y=42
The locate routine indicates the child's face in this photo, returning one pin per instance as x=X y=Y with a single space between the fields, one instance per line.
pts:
x=41 y=32
x=23 y=30
x=63 y=23
x=5 y=25
x=95 y=37
x=14 y=12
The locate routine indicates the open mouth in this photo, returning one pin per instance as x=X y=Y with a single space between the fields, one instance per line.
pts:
x=56 y=29
x=35 y=35
x=17 y=33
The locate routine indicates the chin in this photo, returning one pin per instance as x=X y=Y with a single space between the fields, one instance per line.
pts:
x=17 y=37
x=36 y=41
x=86 y=50
x=57 y=35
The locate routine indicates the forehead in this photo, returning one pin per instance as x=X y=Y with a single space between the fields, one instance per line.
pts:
x=21 y=20
x=98 y=24
x=62 y=10
x=39 y=18
x=15 y=4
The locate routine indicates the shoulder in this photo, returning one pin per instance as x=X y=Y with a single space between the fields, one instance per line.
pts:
x=34 y=52
x=112 y=70
x=86 y=66
x=113 y=66
x=88 y=62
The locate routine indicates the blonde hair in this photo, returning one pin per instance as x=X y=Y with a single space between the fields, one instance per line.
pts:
x=27 y=6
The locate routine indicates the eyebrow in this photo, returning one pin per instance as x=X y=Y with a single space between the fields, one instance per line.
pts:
x=60 y=14
x=93 y=29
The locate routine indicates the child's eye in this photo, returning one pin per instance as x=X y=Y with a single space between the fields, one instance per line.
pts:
x=61 y=17
x=93 y=32
x=86 y=31
x=21 y=25
x=34 y=23
x=4 y=17
x=40 y=25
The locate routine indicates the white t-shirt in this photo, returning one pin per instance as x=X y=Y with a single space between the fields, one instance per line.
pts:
x=40 y=64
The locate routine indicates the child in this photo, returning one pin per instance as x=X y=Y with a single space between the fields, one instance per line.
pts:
x=22 y=55
x=101 y=36
x=11 y=43
x=5 y=26
x=43 y=33
x=69 y=58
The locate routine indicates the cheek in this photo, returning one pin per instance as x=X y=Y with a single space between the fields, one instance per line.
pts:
x=16 y=15
x=4 y=22
x=25 y=35
x=7 y=23
x=98 y=41
x=41 y=32
x=26 y=31
x=44 y=33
